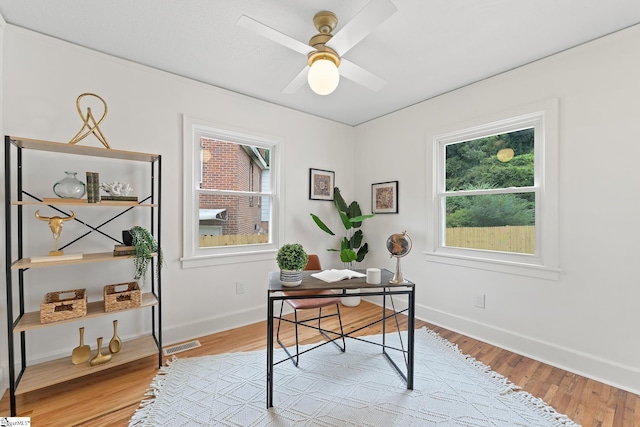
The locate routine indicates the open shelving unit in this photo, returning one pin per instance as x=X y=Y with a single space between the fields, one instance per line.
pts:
x=24 y=378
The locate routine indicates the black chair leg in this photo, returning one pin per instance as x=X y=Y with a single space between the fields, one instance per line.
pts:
x=295 y=358
x=333 y=340
x=279 y=321
x=344 y=344
x=291 y=357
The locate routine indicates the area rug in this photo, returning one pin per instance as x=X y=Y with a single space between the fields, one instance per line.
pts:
x=330 y=388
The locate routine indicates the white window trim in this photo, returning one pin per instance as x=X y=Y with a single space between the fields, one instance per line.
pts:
x=192 y=255
x=543 y=264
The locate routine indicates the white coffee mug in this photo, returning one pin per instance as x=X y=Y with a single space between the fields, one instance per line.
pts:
x=373 y=276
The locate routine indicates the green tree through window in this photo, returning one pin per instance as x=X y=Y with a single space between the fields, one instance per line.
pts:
x=489 y=184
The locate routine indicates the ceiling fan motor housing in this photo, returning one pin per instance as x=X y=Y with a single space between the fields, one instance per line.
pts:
x=325 y=22
x=323 y=52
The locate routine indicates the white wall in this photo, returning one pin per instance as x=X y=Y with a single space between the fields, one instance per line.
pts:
x=43 y=77
x=587 y=321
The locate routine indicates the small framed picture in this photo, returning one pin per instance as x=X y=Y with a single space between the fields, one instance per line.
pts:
x=384 y=197
x=321 y=184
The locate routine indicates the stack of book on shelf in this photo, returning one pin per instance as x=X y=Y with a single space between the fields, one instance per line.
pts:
x=119 y=198
x=124 y=250
x=93 y=187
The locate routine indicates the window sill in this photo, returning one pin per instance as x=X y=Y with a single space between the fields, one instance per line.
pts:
x=498 y=266
x=210 y=260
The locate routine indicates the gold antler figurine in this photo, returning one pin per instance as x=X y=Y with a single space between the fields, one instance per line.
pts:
x=94 y=127
x=55 y=224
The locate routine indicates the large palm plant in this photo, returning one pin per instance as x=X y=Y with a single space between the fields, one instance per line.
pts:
x=352 y=249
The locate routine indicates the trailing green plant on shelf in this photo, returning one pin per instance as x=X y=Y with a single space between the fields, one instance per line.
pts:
x=352 y=248
x=292 y=256
x=145 y=247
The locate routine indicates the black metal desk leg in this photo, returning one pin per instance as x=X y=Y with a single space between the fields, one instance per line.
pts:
x=269 y=351
x=384 y=318
x=411 y=336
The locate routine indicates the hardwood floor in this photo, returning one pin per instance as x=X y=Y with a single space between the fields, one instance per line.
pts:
x=110 y=398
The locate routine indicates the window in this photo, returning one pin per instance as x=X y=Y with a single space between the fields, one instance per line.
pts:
x=494 y=202
x=489 y=192
x=225 y=171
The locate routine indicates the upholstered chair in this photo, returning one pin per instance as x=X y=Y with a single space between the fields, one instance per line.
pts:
x=311 y=304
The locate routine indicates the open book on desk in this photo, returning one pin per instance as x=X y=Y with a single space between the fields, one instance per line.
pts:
x=334 y=275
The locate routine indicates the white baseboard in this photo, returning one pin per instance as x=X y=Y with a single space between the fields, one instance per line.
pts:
x=202 y=327
x=586 y=365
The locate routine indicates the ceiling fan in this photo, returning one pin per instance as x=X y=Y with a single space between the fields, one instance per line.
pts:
x=325 y=51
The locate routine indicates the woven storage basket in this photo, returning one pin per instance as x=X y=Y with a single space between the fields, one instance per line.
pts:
x=121 y=296
x=63 y=305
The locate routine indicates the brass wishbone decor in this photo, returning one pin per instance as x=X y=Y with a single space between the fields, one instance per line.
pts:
x=90 y=126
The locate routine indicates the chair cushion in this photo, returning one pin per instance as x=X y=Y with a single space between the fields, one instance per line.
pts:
x=306 y=303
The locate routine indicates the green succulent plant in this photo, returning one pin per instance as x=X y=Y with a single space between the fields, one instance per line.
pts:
x=352 y=249
x=146 y=245
x=292 y=256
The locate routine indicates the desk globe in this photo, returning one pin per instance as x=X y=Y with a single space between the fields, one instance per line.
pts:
x=398 y=245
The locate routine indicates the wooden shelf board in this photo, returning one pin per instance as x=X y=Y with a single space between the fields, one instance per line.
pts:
x=83 y=150
x=88 y=257
x=31 y=320
x=60 y=370
x=80 y=202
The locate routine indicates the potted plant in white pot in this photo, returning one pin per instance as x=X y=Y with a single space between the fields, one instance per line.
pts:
x=291 y=259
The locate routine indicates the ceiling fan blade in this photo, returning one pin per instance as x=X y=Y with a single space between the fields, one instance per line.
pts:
x=297 y=82
x=367 y=20
x=361 y=76
x=274 y=35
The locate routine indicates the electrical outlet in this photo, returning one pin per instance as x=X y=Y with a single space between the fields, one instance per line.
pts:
x=239 y=288
x=478 y=300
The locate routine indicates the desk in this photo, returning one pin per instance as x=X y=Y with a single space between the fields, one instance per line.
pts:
x=357 y=287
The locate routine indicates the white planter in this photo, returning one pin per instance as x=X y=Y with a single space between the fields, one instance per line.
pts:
x=290 y=278
x=351 y=301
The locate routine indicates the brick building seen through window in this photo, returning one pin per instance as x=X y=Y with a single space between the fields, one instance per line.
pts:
x=228 y=167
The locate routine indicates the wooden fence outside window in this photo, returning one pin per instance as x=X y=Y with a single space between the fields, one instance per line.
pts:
x=520 y=239
x=234 y=239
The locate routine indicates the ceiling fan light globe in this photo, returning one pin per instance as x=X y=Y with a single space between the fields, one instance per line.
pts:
x=323 y=76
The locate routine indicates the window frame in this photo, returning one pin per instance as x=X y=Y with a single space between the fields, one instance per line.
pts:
x=192 y=254
x=543 y=117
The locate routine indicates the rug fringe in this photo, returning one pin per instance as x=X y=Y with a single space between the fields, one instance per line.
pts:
x=141 y=415
x=544 y=409
x=540 y=406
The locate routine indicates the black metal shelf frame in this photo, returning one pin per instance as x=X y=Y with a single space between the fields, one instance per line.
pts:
x=15 y=375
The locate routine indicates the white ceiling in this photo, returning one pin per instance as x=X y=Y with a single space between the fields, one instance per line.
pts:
x=428 y=47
